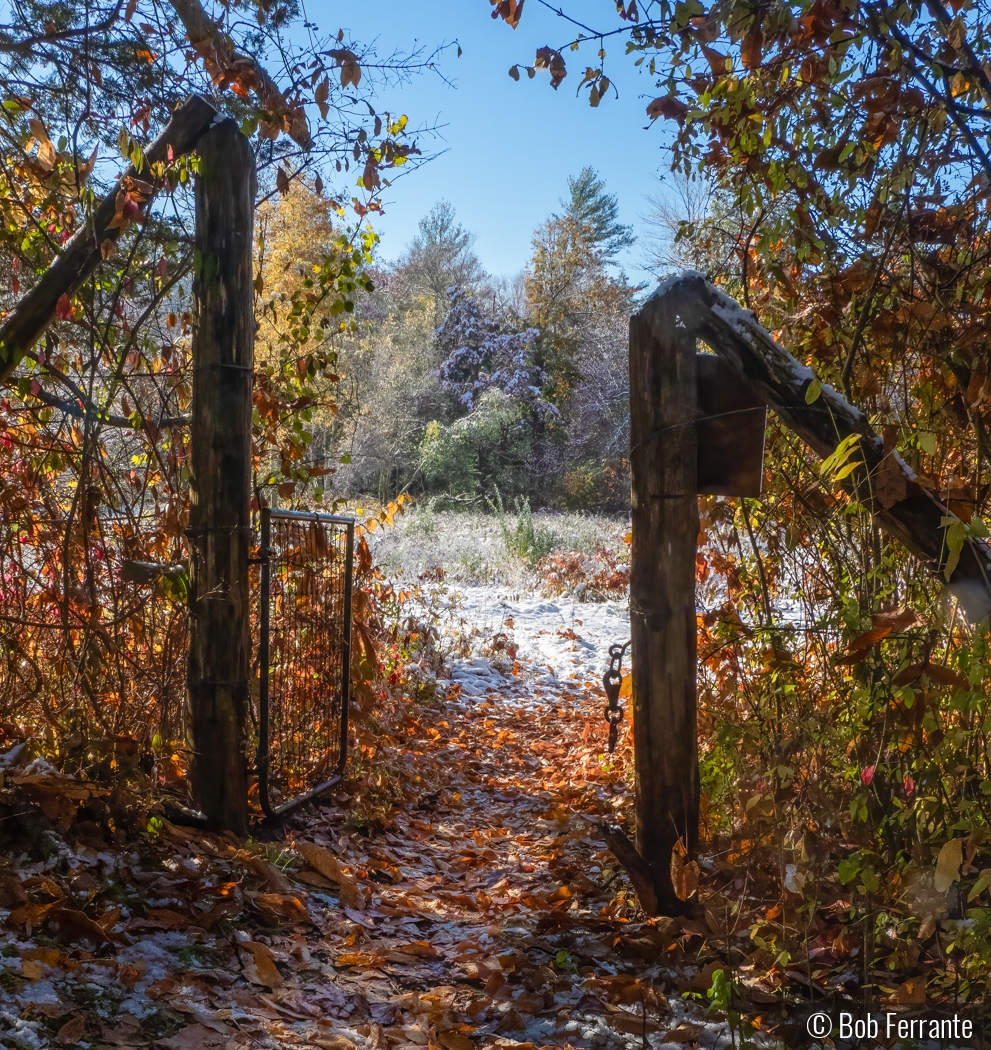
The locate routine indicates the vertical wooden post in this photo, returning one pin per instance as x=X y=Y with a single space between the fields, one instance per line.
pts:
x=662 y=588
x=219 y=520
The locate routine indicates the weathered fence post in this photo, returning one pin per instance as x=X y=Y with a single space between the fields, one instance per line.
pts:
x=663 y=444
x=219 y=520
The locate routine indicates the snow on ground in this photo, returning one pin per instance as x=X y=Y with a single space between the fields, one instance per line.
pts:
x=560 y=644
x=496 y=612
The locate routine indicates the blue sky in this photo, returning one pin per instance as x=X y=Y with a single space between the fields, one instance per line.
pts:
x=510 y=147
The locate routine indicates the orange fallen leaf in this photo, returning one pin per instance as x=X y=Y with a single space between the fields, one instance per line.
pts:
x=262 y=969
x=323 y=861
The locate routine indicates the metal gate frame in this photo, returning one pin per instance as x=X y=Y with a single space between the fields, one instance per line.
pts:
x=262 y=762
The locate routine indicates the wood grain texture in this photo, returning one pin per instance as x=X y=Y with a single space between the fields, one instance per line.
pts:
x=219 y=532
x=662 y=589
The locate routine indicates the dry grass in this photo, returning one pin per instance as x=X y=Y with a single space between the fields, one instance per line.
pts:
x=472 y=549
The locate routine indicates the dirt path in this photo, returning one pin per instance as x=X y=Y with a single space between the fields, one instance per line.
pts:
x=460 y=898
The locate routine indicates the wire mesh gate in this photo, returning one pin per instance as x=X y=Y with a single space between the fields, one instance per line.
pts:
x=304 y=655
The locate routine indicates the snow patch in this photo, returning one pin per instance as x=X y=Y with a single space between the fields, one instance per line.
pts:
x=562 y=644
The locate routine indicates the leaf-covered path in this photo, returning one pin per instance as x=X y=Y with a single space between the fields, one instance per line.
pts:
x=459 y=895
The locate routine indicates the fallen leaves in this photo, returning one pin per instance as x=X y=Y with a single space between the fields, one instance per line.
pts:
x=72 y=1031
x=326 y=864
x=261 y=968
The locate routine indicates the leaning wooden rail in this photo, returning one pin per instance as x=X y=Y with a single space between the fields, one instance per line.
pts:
x=881 y=481
x=34 y=312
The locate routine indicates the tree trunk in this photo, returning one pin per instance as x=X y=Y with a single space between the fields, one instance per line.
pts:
x=662 y=589
x=34 y=312
x=219 y=532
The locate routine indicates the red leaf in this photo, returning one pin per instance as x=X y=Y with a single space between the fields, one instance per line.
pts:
x=752 y=47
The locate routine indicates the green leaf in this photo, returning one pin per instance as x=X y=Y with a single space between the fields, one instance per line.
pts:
x=812 y=392
x=849 y=868
x=833 y=466
x=870 y=880
x=846 y=471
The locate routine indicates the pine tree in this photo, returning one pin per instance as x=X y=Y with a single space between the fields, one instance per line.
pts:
x=594 y=210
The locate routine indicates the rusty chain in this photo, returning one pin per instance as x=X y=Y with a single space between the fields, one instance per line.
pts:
x=612 y=682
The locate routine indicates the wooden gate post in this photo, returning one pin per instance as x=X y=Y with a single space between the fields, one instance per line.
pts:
x=219 y=520
x=663 y=466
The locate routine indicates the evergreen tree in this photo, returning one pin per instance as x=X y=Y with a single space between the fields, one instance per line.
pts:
x=590 y=208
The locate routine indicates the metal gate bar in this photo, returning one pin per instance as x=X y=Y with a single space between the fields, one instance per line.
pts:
x=297 y=716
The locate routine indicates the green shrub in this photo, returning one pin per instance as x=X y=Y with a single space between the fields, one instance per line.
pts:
x=449 y=459
x=525 y=539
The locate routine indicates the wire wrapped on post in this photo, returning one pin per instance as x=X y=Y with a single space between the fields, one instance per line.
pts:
x=612 y=682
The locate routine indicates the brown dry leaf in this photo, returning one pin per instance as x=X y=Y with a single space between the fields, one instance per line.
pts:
x=262 y=969
x=529 y=1002
x=31 y=971
x=12 y=893
x=911 y=674
x=684 y=872
x=50 y=957
x=421 y=949
x=895 y=619
x=890 y=483
x=280 y=907
x=667 y=106
x=72 y=1031
x=362 y=960
x=912 y=991
x=31 y=915
x=512 y=1021
x=940 y=675
x=333 y=1042
x=948 y=865
x=224 y=910
x=862 y=645
x=631 y=1024
x=275 y=878
x=883 y=624
x=170 y=919
x=751 y=50
x=76 y=926
x=324 y=862
x=455 y=1041
x=196 y=1037
x=108 y=920
x=414 y=1035
x=313 y=878
x=686 y=1033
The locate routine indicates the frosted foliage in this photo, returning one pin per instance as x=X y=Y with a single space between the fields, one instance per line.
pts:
x=482 y=355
